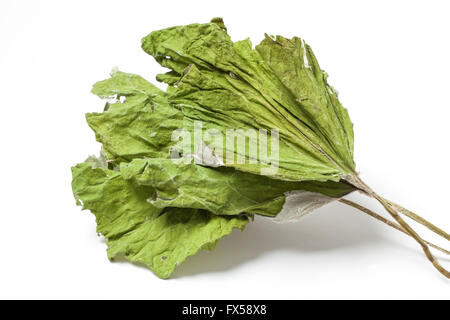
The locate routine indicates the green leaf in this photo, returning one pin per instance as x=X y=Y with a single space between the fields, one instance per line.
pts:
x=230 y=85
x=118 y=205
x=142 y=233
x=295 y=64
x=141 y=125
x=163 y=243
x=222 y=191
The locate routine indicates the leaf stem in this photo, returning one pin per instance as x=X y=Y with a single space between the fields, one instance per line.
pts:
x=387 y=222
x=392 y=210
x=419 y=219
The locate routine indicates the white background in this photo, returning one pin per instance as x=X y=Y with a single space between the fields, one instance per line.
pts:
x=388 y=60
